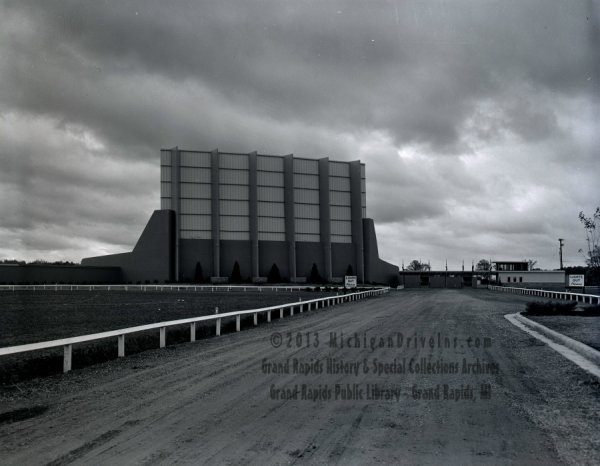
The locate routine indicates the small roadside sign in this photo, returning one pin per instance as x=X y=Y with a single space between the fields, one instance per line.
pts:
x=350 y=281
x=576 y=280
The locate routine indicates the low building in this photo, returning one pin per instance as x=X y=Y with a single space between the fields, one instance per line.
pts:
x=514 y=266
x=542 y=279
x=517 y=274
x=34 y=274
x=436 y=279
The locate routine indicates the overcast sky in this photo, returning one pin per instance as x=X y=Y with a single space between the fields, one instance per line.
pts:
x=478 y=121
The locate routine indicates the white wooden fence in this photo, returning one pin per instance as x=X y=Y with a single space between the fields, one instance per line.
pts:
x=579 y=297
x=67 y=343
x=149 y=287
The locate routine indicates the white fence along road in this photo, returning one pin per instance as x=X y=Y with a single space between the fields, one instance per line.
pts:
x=579 y=297
x=67 y=343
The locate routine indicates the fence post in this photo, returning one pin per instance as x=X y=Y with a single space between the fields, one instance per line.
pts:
x=68 y=358
x=193 y=331
x=281 y=313
x=255 y=319
x=237 y=323
x=218 y=327
x=291 y=310
x=121 y=346
x=163 y=337
x=268 y=316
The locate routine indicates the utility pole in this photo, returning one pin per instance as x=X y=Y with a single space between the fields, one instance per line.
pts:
x=560 y=246
x=446 y=275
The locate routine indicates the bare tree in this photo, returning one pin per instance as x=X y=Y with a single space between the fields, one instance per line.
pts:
x=483 y=266
x=592 y=237
x=417 y=266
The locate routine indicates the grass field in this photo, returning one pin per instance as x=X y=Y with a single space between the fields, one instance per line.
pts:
x=29 y=317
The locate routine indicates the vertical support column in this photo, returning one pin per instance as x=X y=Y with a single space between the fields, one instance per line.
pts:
x=68 y=358
x=357 y=216
x=253 y=211
x=281 y=313
x=176 y=202
x=268 y=316
x=163 y=337
x=216 y=212
x=218 y=330
x=121 y=346
x=255 y=319
x=290 y=225
x=237 y=323
x=325 y=216
x=193 y=331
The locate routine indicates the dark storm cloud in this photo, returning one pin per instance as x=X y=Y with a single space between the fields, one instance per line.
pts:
x=414 y=69
x=450 y=104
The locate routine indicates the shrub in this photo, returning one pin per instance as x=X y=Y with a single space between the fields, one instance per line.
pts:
x=198 y=274
x=560 y=309
x=315 y=276
x=236 y=275
x=550 y=308
x=274 y=276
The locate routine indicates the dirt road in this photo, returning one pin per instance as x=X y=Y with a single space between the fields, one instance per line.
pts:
x=416 y=377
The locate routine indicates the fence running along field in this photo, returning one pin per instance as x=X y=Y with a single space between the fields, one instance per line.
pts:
x=579 y=297
x=154 y=287
x=67 y=343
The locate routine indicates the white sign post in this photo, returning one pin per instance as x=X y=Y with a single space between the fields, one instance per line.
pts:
x=576 y=280
x=350 y=281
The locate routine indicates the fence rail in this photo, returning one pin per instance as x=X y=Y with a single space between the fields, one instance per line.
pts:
x=67 y=343
x=154 y=287
x=579 y=297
